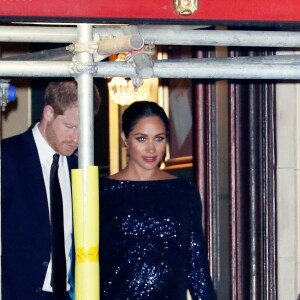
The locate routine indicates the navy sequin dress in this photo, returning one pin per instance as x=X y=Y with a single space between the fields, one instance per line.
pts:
x=151 y=241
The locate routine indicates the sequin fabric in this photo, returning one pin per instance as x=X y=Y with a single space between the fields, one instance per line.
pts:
x=151 y=241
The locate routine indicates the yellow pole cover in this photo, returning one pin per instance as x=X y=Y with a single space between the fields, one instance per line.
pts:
x=86 y=233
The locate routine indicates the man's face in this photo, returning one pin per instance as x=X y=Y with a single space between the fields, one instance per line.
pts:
x=62 y=131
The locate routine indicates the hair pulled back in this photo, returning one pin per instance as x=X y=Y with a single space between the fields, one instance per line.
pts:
x=140 y=109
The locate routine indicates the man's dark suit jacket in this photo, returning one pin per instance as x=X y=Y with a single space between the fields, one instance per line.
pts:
x=25 y=220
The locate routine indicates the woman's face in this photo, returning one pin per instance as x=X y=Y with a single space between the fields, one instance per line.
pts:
x=146 y=143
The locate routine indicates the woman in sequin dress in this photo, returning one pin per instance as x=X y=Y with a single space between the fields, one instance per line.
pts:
x=151 y=240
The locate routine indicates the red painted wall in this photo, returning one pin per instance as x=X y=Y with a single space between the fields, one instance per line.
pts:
x=209 y=11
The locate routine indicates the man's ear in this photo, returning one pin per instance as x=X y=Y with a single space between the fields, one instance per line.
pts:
x=48 y=113
x=124 y=138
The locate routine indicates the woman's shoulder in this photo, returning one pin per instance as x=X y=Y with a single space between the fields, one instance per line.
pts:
x=186 y=182
x=176 y=183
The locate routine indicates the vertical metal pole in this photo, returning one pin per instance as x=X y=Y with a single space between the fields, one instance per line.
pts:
x=85 y=104
x=85 y=183
x=0 y=204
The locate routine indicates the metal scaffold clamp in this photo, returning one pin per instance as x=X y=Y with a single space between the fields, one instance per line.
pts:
x=80 y=68
x=83 y=67
x=7 y=93
x=142 y=62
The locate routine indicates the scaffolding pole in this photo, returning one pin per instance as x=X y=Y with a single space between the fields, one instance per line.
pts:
x=85 y=184
x=85 y=101
x=158 y=35
x=281 y=67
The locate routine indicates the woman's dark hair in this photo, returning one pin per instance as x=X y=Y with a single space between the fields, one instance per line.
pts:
x=140 y=109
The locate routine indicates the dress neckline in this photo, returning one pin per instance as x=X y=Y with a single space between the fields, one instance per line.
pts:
x=141 y=181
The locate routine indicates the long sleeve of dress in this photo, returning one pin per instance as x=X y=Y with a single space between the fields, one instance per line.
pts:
x=199 y=280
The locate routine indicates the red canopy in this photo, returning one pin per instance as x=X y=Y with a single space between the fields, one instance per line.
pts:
x=210 y=12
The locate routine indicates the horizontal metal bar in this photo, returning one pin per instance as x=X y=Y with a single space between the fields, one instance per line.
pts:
x=267 y=67
x=283 y=67
x=35 y=69
x=222 y=38
x=159 y=35
x=36 y=34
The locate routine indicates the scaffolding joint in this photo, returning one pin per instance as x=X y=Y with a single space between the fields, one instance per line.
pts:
x=87 y=47
x=142 y=62
x=81 y=68
x=79 y=47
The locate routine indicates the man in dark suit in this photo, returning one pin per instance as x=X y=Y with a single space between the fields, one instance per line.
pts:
x=26 y=229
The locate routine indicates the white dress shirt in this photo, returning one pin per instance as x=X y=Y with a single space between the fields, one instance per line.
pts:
x=46 y=157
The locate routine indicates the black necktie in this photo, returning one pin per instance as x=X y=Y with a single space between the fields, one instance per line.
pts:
x=58 y=278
